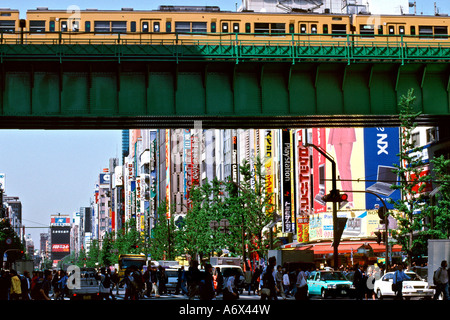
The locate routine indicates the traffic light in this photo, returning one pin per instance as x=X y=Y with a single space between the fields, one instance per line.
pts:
x=378 y=234
x=382 y=213
x=335 y=196
x=381 y=236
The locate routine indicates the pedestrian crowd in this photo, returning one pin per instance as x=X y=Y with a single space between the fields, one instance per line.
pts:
x=271 y=282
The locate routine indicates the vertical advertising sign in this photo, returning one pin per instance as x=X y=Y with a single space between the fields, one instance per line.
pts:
x=319 y=170
x=286 y=181
x=381 y=149
x=234 y=158
x=303 y=176
x=168 y=172
x=303 y=228
x=60 y=239
x=268 y=153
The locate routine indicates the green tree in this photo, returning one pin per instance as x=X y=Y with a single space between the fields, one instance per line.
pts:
x=9 y=241
x=256 y=210
x=439 y=209
x=411 y=206
x=164 y=235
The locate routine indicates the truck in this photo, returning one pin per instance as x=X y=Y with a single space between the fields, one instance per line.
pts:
x=88 y=288
x=293 y=259
x=229 y=266
x=438 y=250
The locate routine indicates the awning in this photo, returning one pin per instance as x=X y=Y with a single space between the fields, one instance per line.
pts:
x=345 y=247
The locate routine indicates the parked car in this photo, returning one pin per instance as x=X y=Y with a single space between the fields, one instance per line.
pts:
x=416 y=287
x=325 y=283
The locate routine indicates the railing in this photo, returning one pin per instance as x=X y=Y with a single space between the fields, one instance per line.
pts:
x=230 y=46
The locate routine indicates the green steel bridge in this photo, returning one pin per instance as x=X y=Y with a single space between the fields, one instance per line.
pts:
x=227 y=82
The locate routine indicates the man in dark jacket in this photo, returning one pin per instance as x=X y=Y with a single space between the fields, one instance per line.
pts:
x=207 y=284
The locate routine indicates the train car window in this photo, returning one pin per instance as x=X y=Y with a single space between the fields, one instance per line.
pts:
x=291 y=28
x=144 y=26
x=102 y=26
x=156 y=27
x=248 y=27
x=168 y=26
x=278 y=28
x=133 y=26
x=380 y=29
x=51 y=26
x=7 y=26
x=412 y=30
x=366 y=30
x=181 y=26
x=325 y=29
x=119 y=26
x=225 y=27
x=87 y=26
x=199 y=27
x=261 y=27
x=426 y=32
x=338 y=30
x=64 y=26
x=37 y=26
x=401 y=29
x=213 y=27
x=5 y=14
x=235 y=27
x=441 y=32
x=75 y=26
x=303 y=28
x=314 y=28
x=391 y=30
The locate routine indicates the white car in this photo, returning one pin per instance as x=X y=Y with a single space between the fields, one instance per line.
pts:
x=416 y=287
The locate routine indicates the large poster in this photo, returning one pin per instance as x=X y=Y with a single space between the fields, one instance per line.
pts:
x=381 y=151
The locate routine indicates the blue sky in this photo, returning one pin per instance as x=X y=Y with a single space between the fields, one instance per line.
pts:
x=56 y=171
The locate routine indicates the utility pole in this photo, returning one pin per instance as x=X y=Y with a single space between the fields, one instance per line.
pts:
x=334 y=190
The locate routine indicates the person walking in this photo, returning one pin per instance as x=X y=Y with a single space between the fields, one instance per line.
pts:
x=279 y=282
x=269 y=287
x=105 y=284
x=207 y=291
x=399 y=277
x=440 y=279
x=16 y=287
x=230 y=292
x=301 y=292
x=26 y=285
x=63 y=290
x=358 y=282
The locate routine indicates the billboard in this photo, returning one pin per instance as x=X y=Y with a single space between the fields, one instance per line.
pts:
x=60 y=240
x=360 y=224
x=382 y=146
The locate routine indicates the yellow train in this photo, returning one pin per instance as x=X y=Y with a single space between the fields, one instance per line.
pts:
x=193 y=23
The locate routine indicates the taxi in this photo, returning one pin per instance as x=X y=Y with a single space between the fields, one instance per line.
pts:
x=329 y=283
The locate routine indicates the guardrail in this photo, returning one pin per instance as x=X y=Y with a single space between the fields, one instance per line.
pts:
x=222 y=46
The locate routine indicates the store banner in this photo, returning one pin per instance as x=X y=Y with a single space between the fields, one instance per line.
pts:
x=303 y=228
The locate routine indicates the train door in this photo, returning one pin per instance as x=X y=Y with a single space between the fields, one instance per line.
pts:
x=396 y=31
x=151 y=25
x=230 y=26
x=72 y=25
x=307 y=30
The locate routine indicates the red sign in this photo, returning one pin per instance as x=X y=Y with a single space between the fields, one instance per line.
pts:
x=60 y=248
